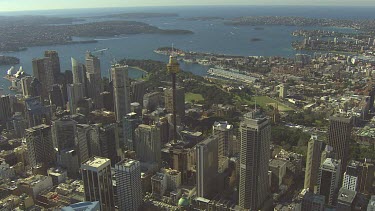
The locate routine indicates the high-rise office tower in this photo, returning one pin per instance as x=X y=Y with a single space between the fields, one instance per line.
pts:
x=63 y=133
x=129 y=124
x=42 y=70
x=207 y=167
x=97 y=181
x=79 y=72
x=35 y=88
x=225 y=133
x=180 y=162
x=56 y=96
x=314 y=153
x=83 y=138
x=64 y=138
x=5 y=108
x=26 y=85
x=137 y=91
x=121 y=90
x=94 y=89
x=36 y=112
x=329 y=179
x=339 y=132
x=313 y=202
x=147 y=143
x=351 y=176
x=40 y=145
x=94 y=79
x=366 y=177
x=19 y=125
x=92 y=64
x=107 y=99
x=75 y=94
x=109 y=142
x=255 y=134
x=53 y=57
x=180 y=101
x=128 y=182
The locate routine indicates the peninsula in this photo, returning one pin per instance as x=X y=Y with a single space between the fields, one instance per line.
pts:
x=19 y=33
x=8 y=60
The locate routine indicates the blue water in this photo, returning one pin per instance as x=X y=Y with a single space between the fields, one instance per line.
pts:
x=209 y=36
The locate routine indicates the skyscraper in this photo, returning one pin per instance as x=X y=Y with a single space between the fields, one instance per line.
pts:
x=109 y=142
x=56 y=96
x=121 y=90
x=97 y=181
x=53 y=57
x=92 y=64
x=313 y=202
x=75 y=94
x=351 y=176
x=63 y=133
x=5 y=108
x=129 y=187
x=40 y=145
x=255 y=134
x=224 y=130
x=339 y=132
x=36 y=112
x=129 y=124
x=26 y=85
x=94 y=79
x=137 y=91
x=79 y=72
x=329 y=179
x=147 y=143
x=314 y=153
x=42 y=70
x=94 y=89
x=366 y=177
x=83 y=139
x=207 y=167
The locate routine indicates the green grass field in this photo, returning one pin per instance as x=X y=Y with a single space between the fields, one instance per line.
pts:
x=193 y=97
x=263 y=101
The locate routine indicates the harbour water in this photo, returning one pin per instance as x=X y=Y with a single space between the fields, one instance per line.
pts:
x=209 y=36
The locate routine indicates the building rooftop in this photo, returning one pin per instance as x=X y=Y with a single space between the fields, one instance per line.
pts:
x=127 y=162
x=82 y=206
x=346 y=195
x=96 y=161
x=38 y=127
x=223 y=125
x=34 y=180
x=276 y=163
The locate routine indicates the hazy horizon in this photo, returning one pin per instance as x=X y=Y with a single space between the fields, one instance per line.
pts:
x=29 y=5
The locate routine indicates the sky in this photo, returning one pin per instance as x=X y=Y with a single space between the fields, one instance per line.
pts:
x=22 y=5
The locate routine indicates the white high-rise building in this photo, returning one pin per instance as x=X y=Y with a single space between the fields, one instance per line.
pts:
x=121 y=90
x=255 y=134
x=129 y=187
x=351 y=176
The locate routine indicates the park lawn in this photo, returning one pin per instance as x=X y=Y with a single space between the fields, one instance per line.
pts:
x=263 y=101
x=189 y=96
